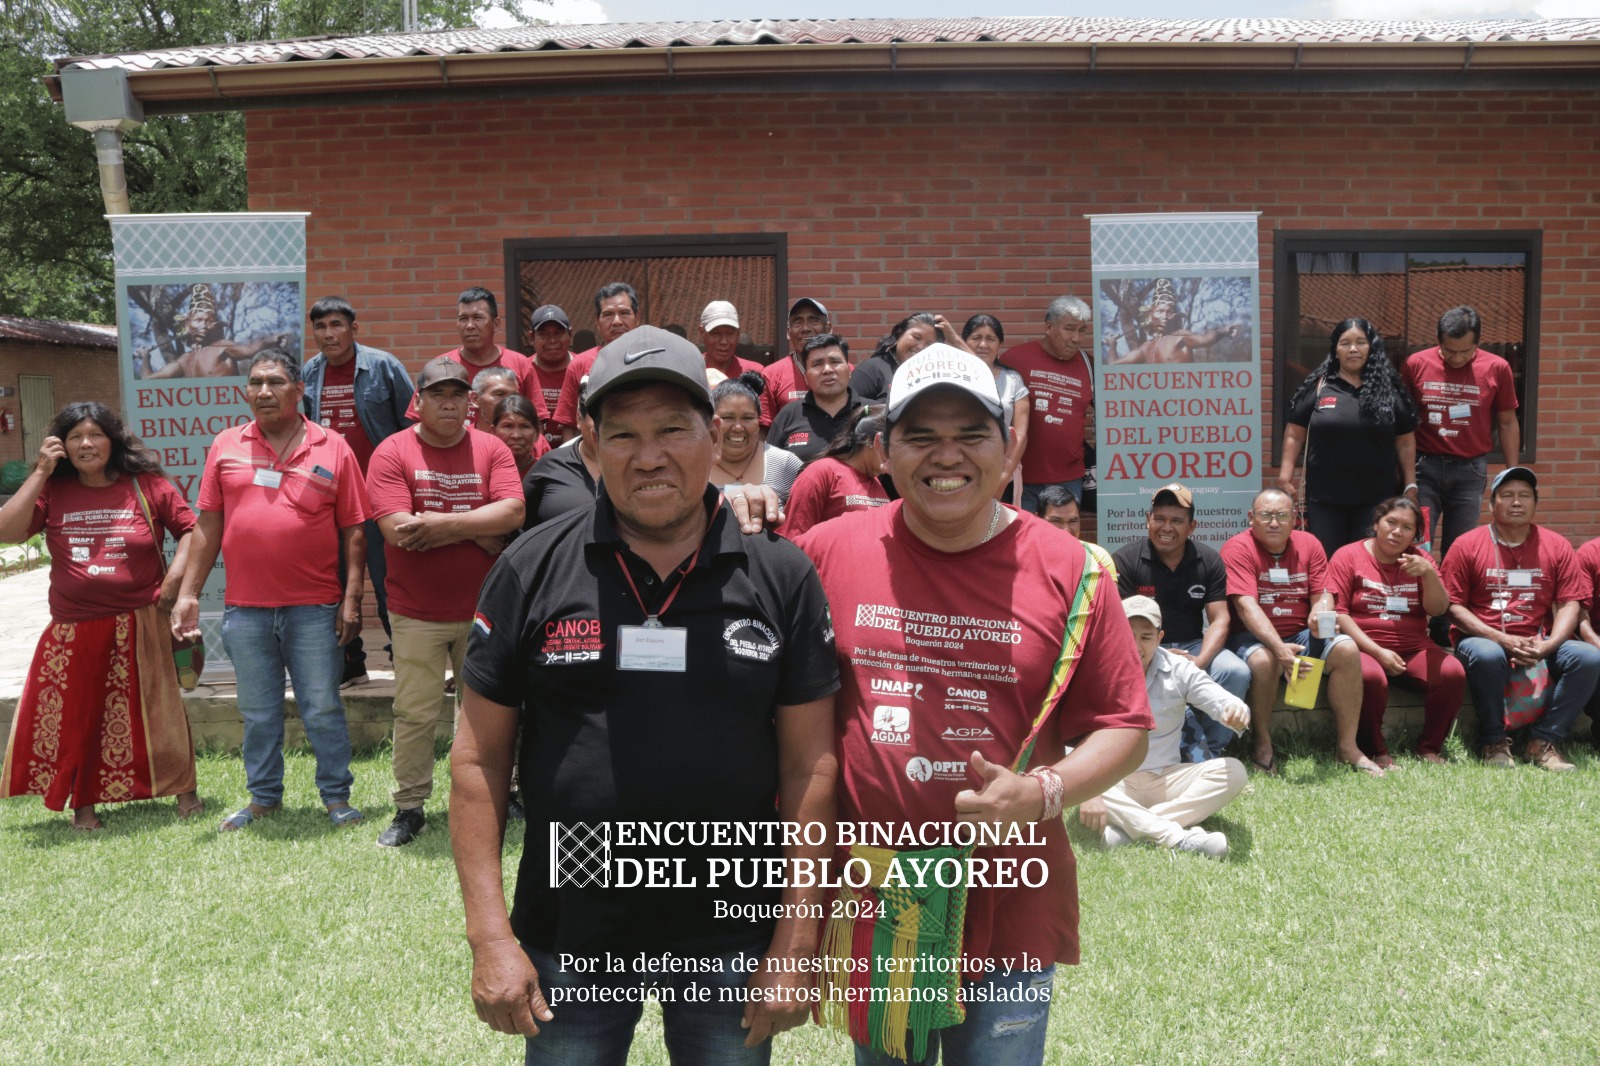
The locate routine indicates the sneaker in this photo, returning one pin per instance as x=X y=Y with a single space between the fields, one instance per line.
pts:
x=1546 y=756
x=404 y=829
x=352 y=680
x=1498 y=754
x=1200 y=842
x=514 y=811
x=1115 y=838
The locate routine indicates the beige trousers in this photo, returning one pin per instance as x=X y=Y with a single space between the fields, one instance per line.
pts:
x=1162 y=805
x=422 y=651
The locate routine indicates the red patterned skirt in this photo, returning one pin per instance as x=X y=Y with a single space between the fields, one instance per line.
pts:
x=101 y=719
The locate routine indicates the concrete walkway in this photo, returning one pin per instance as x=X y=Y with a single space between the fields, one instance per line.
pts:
x=213 y=707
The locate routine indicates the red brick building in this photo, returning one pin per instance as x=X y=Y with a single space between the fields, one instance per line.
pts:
x=894 y=166
x=44 y=366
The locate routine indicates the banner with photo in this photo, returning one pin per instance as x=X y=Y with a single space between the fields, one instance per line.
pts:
x=1177 y=307
x=197 y=297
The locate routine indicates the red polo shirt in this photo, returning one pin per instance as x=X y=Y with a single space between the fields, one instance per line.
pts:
x=281 y=542
x=1284 y=587
x=786 y=383
x=566 y=412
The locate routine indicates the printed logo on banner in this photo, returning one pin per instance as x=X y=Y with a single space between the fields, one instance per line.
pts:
x=580 y=855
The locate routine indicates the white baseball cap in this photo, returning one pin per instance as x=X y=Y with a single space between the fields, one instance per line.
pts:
x=719 y=313
x=941 y=364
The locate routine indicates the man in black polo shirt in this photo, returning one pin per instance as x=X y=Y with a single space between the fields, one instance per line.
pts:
x=808 y=427
x=668 y=670
x=1190 y=583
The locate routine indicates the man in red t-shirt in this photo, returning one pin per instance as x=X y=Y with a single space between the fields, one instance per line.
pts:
x=951 y=610
x=616 y=311
x=282 y=500
x=478 y=323
x=1589 y=559
x=1516 y=595
x=786 y=378
x=1461 y=395
x=552 y=354
x=363 y=395
x=444 y=495
x=1277 y=585
x=1061 y=382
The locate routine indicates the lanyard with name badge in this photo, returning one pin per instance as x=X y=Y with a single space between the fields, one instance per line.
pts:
x=653 y=646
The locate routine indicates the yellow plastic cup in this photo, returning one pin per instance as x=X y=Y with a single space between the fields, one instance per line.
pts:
x=1302 y=691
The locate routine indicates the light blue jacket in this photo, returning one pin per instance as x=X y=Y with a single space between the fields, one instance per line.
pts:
x=383 y=392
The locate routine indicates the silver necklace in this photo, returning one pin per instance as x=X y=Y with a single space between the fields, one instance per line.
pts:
x=994 y=521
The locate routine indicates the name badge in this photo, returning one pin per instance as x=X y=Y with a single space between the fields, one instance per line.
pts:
x=1461 y=410
x=267 y=479
x=1278 y=575
x=1395 y=605
x=1520 y=579
x=658 y=648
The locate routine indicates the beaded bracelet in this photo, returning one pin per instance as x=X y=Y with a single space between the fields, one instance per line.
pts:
x=1054 y=790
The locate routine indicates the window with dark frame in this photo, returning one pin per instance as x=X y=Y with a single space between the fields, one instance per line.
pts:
x=675 y=278
x=1401 y=282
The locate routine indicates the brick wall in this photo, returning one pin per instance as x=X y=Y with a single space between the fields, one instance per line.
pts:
x=954 y=203
x=76 y=373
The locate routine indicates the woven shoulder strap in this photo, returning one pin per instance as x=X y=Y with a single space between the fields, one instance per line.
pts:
x=150 y=520
x=1071 y=651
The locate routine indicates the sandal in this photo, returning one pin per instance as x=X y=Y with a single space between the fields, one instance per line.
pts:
x=343 y=814
x=1433 y=757
x=91 y=822
x=242 y=817
x=1368 y=767
x=1270 y=767
x=195 y=806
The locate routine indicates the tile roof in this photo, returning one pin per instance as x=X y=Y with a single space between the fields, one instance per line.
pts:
x=626 y=35
x=1383 y=299
x=49 y=331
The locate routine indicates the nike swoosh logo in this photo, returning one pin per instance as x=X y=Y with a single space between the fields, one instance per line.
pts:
x=634 y=357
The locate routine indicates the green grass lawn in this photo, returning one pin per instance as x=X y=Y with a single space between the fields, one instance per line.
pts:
x=1444 y=915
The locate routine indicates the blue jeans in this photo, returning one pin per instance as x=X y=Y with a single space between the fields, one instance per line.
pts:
x=698 y=1032
x=261 y=642
x=1203 y=736
x=1008 y=1030
x=1452 y=491
x=1574 y=670
x=1030 y=493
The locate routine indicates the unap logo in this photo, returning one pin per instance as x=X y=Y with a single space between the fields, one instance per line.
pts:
x=887 y=687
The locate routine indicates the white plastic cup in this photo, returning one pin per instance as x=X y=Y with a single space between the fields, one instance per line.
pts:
x=1327 y=625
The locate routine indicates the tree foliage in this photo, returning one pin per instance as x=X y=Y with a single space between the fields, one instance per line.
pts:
x=55 y=244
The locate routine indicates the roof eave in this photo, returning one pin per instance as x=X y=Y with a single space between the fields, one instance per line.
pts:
x=168 y=88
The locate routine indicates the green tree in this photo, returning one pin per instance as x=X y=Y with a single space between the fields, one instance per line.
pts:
x=55 y=244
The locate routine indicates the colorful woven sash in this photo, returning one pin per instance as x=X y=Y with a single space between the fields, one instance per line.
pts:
x=896 y=965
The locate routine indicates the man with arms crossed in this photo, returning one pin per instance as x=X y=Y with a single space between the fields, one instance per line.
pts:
x=731 y=708
x=443 y=496
x=947 y=548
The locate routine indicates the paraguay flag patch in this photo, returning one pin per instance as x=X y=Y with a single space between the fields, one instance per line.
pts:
x=482 y=626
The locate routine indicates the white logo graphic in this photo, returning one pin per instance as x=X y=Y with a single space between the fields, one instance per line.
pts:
x=888 y=687
x=96 y=571
x=80 y=555
x=968 y=732
x=891 y=725
x=1042 y=404
x=919 y=769
x=966 y=699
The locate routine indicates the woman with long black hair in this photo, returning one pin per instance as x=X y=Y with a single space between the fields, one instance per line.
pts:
x=100 y=719
x=1354 y=422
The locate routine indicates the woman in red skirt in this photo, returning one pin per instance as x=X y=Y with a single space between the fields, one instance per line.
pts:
x=101 y=719
x=1385 y=589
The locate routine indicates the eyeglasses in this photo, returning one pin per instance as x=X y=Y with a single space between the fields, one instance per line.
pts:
x=1270 y=517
